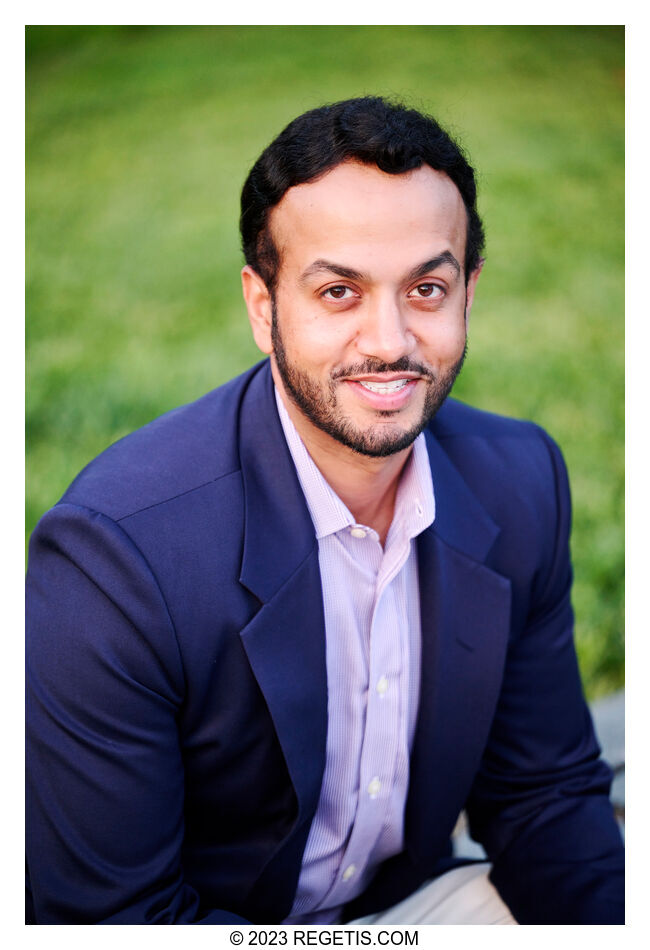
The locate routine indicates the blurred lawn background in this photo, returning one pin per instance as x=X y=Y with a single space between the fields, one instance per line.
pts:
x=138 y=142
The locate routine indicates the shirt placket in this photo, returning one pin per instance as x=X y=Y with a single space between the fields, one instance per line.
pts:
x=387 y=665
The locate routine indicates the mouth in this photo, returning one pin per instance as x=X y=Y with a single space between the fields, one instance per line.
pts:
x=393 y=386
x=384 y=392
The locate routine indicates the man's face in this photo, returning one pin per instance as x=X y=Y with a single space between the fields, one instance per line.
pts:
x=367 y=327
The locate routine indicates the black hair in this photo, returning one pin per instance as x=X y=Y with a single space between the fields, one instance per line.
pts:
x=370 y=130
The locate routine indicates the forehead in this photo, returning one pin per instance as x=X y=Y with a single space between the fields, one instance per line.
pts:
x=356 y=214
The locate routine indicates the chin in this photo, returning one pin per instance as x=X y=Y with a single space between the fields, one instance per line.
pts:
x=374 y=441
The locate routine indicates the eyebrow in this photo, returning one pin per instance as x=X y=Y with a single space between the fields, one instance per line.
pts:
x=446 y=257
x=321 y=265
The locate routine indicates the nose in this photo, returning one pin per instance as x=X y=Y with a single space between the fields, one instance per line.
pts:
x=384 y=332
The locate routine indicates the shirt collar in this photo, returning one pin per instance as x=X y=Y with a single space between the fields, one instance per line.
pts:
x=414 y=504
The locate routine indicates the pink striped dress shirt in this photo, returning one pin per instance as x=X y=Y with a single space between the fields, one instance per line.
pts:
x=372 y=624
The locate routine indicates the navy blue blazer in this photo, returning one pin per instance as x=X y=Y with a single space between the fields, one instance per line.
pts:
x=177 y=691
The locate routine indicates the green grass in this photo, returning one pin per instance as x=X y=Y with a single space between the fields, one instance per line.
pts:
x=138 y=142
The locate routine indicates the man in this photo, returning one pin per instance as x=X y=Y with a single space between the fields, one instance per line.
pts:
x=279 y=638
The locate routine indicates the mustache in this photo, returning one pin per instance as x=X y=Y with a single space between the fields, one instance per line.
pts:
x=402 y=365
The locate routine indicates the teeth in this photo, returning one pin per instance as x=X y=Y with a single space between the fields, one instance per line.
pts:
x=392 y=387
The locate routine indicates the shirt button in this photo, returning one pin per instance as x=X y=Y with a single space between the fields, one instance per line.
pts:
x=349 y=872
x=357 y=532
x=419 y=508
x=373 y=787
x=382 y=685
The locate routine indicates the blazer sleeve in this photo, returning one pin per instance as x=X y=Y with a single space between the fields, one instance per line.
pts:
x=540 y=803
x=105 y=786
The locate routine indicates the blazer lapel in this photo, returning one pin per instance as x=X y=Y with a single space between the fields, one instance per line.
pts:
x=285 y=645
x=285 y=641
x=465 y=609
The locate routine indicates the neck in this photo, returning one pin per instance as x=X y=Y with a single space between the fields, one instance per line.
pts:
x=366 y=485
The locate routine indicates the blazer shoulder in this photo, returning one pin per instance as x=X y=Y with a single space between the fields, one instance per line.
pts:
x=464 y=432
x=177 y=453
x=458 y=419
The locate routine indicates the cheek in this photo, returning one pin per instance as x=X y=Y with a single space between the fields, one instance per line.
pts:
x=445 y=342
x=315 y=342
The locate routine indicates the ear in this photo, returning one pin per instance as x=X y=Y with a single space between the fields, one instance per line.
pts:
x=258 y=304
x=471 y=287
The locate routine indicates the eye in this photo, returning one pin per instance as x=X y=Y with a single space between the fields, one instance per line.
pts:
x=428 y=291
x=339 y=292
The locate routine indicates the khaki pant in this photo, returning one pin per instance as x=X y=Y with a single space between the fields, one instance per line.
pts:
x=462 y=896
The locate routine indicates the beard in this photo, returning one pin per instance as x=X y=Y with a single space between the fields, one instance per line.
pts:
x=320 y=405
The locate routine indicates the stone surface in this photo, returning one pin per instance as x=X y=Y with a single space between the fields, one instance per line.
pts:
x=609 y=720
